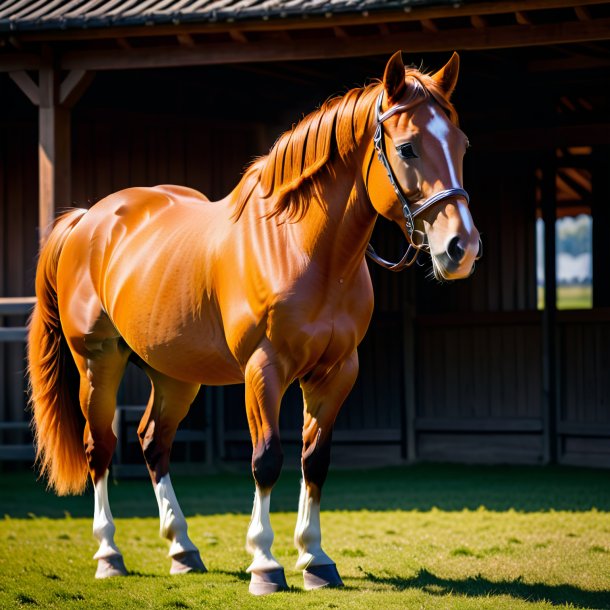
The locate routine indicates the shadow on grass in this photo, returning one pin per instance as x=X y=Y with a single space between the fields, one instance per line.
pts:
x=478 y=586
x=419 y=487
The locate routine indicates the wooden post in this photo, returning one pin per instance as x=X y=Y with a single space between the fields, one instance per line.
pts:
x=549 y=316
x=54 y=171
x=54 y=99
x=601 y=221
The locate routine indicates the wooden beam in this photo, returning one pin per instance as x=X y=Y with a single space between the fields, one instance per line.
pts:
x=14 y=62
x=522 y=19
x=582 y=13
x=478 y=22
x=238 y=36
x=324 y=48
x=73 y=86
x=24 y=81
x=428 y=25
x=123 y=43
x=311 y=22
x=540 y=138
x=578 y=62
x=186 y=40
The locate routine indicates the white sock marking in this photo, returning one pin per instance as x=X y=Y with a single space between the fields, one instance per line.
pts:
x=260 y=535
x=308 y=534
x=172 y=524
x=103 y=523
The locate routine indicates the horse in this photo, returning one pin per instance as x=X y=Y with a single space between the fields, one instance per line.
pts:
x=264 y=287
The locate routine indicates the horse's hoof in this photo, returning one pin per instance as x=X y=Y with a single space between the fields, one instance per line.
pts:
x=264 y=583
x=189 y=561
x=108 y=567
x=316 y=577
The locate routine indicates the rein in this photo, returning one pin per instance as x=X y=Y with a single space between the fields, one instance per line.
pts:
x=413 y=249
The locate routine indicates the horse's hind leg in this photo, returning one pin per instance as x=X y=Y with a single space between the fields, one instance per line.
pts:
x=101 y=374
x=168 y=405
x=323 y=393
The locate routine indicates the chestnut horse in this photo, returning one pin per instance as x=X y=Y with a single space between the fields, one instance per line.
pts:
x=267 y=286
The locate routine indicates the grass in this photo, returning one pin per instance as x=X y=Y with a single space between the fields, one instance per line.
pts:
x=405 y=537
x=570 y=296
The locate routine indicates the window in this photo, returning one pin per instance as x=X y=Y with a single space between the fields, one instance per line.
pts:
x=573 y=233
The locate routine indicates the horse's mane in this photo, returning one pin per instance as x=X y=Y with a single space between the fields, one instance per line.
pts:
x=291 y=172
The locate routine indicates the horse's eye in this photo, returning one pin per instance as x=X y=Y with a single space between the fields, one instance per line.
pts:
x=406 y=151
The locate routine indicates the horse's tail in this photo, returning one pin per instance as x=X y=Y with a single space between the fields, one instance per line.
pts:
x=54 y=380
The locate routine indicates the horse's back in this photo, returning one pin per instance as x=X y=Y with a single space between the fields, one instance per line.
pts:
x=143 y=258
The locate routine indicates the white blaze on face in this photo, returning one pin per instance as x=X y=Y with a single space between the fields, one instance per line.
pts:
x=438 y=126
x=466 y=217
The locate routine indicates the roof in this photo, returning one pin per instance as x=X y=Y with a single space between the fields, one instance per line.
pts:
x=94 y=35
x=68 y=14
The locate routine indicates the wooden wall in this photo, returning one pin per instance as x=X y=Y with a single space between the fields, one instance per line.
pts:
x=18 y=243
x=449 y=372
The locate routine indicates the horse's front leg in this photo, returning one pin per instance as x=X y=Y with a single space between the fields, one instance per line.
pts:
x=264 y=388
x=323 y=394
x=169 y=403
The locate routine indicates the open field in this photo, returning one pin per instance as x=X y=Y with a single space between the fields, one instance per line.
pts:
x=404 y=537
x=570 y=296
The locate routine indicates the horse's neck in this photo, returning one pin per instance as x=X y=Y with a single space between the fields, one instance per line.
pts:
x=338 y=228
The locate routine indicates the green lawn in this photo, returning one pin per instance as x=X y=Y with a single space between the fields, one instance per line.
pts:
x=406 y=537
x=570 y=296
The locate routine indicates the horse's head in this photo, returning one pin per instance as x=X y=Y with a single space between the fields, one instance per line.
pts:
x=421 y=150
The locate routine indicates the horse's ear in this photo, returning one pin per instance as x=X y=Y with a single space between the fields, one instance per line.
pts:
x=394 y=77
x=447 y=76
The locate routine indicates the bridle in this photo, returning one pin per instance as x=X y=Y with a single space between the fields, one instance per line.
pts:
x=413 y=250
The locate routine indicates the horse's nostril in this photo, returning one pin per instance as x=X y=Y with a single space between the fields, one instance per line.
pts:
x=454 y=251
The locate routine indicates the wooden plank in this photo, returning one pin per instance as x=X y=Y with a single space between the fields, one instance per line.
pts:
x=448 y=376
x=479 y=424
x=496 y=352
x=324 y=48
x=15 y=334
x=409 y=451
x=361 y=436
x=14 y=425
x=10 y=306
x=483 y=318
x=487 y=448
x=17 y=453
x=568 y=428
x=534 y=372
x=480 y=363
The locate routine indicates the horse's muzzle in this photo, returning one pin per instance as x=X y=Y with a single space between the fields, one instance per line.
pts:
x=457 y=261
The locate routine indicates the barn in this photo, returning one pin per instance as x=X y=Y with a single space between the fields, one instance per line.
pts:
x=99 y=95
